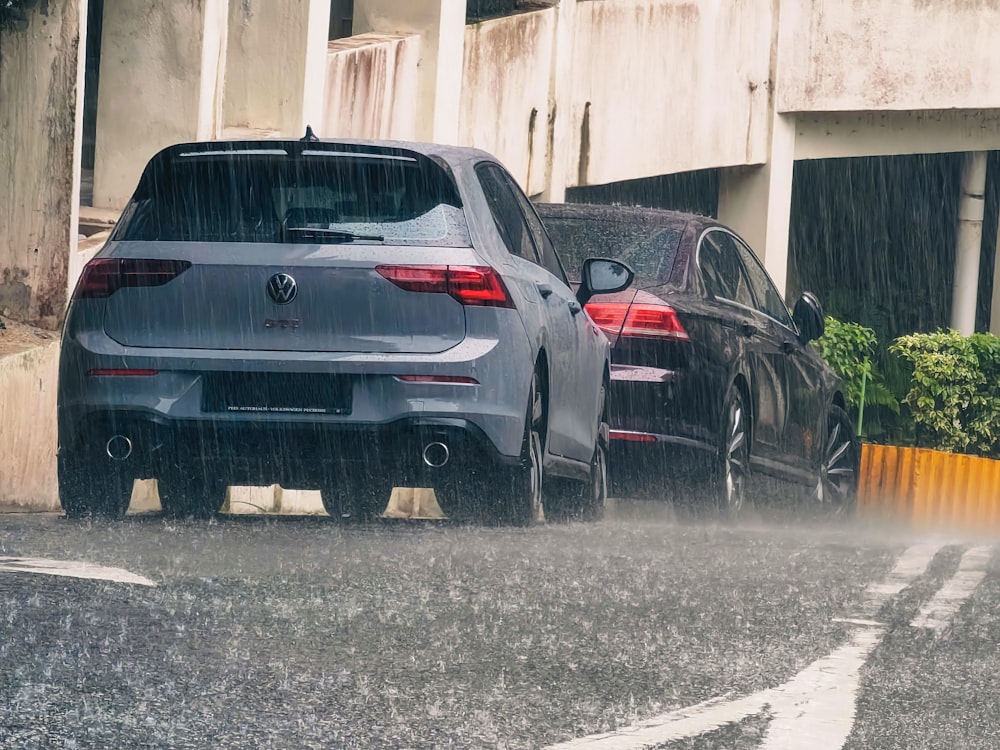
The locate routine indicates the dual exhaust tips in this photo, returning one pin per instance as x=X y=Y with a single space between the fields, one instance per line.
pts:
x=435 y=454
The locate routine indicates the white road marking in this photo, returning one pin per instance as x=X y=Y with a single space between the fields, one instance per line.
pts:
x=815 y=707
x=938 y=613
x=70 y=569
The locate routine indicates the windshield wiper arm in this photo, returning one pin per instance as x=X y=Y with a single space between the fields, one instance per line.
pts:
x=336 y=234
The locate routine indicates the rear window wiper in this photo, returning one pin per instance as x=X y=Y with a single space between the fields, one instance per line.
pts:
x=336 y=235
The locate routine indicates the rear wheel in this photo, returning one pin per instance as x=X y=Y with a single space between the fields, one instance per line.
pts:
x=837 y=485
x=731 y=475
x=521 y=495
x=92 y=488
x=354 y=500
x=191 y=495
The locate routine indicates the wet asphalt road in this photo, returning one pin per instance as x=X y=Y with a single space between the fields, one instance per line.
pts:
x=302 y=633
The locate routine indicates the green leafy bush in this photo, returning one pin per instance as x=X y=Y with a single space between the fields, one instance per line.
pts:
x=954 y=395
x=849 y=348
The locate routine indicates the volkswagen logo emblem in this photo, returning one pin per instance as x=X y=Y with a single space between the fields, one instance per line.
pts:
x=282 y=288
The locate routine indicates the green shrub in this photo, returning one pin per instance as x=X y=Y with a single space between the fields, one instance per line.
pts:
x=954 y=395
x=849 y=348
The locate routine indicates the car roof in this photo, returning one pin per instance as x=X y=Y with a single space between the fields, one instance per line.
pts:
x=603 y=212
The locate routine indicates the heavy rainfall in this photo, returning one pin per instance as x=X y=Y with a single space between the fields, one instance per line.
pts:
x=420 y=380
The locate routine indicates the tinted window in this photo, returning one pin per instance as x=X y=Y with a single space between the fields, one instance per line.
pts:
x=768 y=298
x=506 y=213
x=721 y=268
x=543 y=245
x=275 y=197
x=649 y=249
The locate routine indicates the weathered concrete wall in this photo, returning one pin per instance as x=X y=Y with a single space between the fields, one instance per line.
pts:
x=665 y=86
x=506 y=91
x=28 y=428
x=162 y=66
x=371 y=87
x=275 y=65
x=889 y=55
x=40 y=108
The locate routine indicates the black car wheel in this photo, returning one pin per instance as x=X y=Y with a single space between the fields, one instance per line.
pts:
x=355 y=499
x=190 y=495
x=837 y=484
x=732 y=472
x=521 y=497
x=92 y=488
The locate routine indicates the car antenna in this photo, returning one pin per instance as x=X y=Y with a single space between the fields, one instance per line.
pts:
x=310 y=136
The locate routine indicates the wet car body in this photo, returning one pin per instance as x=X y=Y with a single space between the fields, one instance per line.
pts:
x=685 y=340
x=338 y=315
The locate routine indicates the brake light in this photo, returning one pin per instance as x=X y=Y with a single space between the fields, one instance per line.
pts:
x=479 y=286
x=103 y=277
x=450 y=379
x=638 y=320
x=121 y=372
x=632 y=437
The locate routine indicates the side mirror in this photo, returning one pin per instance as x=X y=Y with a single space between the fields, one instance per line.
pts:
x=603 y=276
x=808 y=317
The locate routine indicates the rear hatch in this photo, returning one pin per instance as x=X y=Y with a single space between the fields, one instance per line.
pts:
x=288 y=246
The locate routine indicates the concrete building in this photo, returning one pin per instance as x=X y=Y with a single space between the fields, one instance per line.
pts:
x=568 y=93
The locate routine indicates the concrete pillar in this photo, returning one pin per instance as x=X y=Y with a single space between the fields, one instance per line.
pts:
x=968 y=242
x=757 y=201
x=441 y=26
x=41 y=132
x=995 y=298
x=162 y=67
x=560 y=105
x=275 y=66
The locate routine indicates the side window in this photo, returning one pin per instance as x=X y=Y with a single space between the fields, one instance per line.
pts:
x=768 y=298
x=547 y=253
x=722 y=270
x=507 y=214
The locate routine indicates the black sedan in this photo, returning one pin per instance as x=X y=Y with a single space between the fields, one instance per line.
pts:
x=710 y=370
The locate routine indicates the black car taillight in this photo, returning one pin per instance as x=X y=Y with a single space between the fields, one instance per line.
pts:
x=471 y=285
x=638 y=320
x=103 y=277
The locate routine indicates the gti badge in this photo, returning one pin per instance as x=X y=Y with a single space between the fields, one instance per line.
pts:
x=282 y=288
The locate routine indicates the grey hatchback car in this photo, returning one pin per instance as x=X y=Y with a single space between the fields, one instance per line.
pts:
x=344 y=316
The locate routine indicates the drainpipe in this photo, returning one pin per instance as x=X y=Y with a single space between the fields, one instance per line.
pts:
x=968 y=241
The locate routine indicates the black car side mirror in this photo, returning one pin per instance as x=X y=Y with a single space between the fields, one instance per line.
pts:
x=808 y=317
x=603 y=276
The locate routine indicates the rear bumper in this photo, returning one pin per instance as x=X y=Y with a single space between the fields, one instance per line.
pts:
x=307 y=456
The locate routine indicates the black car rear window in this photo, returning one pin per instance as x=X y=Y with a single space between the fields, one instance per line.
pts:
x=318 y=196
x=649 y=249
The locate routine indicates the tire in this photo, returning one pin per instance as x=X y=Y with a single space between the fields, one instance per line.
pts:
x=586 y=501
x=190 y=495
x=93 y=488
x=730 y=482
x=521 y=493
x=836 y=489
x=354 y=500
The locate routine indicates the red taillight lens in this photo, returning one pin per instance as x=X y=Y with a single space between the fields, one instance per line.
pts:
x=632 y=437
x=451 y=379
x=637 y=320
x=471 y=285
x=105 y=276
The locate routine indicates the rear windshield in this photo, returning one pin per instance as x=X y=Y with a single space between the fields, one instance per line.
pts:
x=316 y=197
x=649 y=249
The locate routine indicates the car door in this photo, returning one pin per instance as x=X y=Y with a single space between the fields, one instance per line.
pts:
x=796 y=366
x=549 y=317
x=749 y=332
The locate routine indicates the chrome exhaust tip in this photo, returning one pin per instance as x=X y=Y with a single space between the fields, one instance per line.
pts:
x=118 y=448
x=436 y=455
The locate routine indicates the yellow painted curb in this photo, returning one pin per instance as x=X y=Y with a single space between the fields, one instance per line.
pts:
x=929 y=488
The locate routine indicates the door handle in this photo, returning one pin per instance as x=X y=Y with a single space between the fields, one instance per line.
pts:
x=544 y=289
x=574 y=306
x=749 y=330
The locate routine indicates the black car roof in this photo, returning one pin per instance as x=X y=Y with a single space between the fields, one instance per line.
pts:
x=603 y=212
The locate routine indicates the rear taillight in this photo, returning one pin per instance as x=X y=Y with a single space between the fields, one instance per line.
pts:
x=471 y=285
x=447 y=379
x=105 y=276
x=637 y=320
x=632 y=437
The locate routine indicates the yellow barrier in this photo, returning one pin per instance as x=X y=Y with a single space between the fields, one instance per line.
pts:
x=929 y=488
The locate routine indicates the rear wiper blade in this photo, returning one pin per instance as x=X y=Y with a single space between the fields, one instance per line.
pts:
x=336 y=234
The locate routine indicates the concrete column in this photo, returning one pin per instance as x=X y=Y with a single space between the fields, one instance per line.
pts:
x=968 y=242
x=41 y=88
x=560 y=105
x=441 y=26
x=275 y=66
x=757 y=201
x=162 y=67
x=995 y=298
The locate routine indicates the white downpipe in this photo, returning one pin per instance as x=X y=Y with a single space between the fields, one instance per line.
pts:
x=969 y=239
